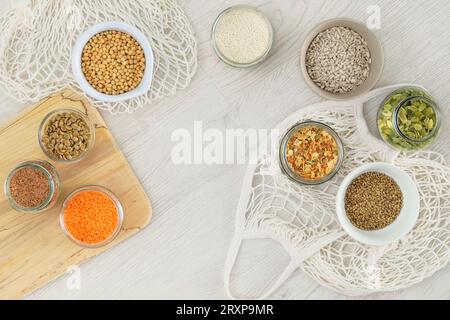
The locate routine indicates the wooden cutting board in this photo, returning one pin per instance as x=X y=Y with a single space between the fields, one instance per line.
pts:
x=33 y=249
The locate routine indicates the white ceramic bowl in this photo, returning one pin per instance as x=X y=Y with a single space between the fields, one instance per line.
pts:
x=405 y=221
x=77 y=52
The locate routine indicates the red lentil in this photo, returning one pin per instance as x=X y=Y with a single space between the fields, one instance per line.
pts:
x=29 y=187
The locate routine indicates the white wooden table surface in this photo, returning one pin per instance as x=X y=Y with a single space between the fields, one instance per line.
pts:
x=182 y=253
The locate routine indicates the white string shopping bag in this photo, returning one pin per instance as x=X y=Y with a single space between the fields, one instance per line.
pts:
x=303 y=219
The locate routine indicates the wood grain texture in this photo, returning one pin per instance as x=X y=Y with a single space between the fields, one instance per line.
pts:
x=182 y=253
x=33 y=248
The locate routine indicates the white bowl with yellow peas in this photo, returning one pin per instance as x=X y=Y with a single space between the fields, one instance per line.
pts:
x=113 y=62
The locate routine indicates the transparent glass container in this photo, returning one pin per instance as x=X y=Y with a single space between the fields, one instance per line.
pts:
x=284 y=164
x=49 y=117
x=111 y=196
x=53 y=180
x=389 y=124
x=238 y=64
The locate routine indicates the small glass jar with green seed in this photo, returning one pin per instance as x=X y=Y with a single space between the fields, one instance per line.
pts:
x=409 y=119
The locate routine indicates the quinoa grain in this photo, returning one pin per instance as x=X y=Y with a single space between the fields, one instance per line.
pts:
x=373 y=201
x=29 y=187
x=91 y=217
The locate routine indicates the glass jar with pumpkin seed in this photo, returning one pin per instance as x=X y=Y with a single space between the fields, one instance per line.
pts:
x=409 y=119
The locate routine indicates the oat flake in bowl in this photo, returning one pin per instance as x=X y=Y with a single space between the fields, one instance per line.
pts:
x=338 y=60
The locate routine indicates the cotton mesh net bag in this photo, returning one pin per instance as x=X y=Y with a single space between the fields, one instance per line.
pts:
x=303 y=219
x=38 y=36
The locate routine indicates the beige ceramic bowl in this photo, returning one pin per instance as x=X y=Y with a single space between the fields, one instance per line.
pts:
x=376 y=51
